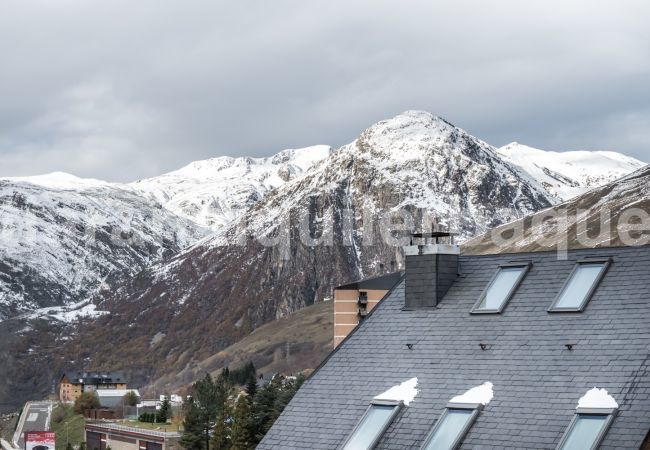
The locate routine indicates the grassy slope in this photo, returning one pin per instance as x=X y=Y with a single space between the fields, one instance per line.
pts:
x=8 y=426
x=308 y=333
x=68 y=426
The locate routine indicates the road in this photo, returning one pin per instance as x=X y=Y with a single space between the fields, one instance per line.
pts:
x=35 y=417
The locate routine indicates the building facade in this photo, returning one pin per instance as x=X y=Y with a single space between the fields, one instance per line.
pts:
x=354 y=301
x=73 y=384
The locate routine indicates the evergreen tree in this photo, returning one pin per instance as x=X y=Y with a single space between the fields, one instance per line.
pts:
x=263 y=408
x=209 y=399
x=165 y=411
x=193 y=434
x=222 y=429
x=286 y=393
x=251 y=386
x=240 y=433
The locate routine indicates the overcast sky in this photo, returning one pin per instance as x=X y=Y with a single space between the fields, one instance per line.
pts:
x=122 y=90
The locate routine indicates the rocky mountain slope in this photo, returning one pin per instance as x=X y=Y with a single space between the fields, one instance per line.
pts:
x=170 y=316
x=215 y=192
x=616 y=214
x=219 y=290
x=63 y=237
x=568 y=174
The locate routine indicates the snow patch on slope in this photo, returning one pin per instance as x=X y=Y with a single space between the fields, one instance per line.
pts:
x=68 y=313
x=404 y=392
x=59 y=180
x=597 y=398
x=479 y=394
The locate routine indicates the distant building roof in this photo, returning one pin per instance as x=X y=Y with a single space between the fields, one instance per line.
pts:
x=381 y=282
x=101 y=393
x=94 y=378
x=535 y=365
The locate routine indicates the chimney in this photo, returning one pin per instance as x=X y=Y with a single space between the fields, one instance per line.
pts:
x=431 y=268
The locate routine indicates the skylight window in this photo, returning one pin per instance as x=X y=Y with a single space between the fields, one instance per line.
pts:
x=458 y=417
x=451 y=428
x=580 y=286
x=585 y=432
x=501 y=288
x=594 y=415
x=372 y=425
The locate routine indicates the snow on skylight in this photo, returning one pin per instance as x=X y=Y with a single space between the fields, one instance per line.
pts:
x=404 y=392
x=479 y=394
x=597 y=398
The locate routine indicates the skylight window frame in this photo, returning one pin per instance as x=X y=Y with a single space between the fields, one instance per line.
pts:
x=607 y=262
x=474 y=407
x=526 y=265
x=609 y=412
x=398 y=407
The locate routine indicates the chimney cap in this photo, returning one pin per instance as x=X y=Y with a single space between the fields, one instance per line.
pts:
x=434 y=235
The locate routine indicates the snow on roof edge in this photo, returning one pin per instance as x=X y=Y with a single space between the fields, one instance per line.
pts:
x=597 y=398
x=479 y=394
x=404 y=392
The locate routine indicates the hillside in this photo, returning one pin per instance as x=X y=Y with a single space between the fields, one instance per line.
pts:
x=605 y=216
x=291 y=344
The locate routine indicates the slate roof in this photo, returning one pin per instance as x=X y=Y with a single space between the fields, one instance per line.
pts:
x=537 y=380
x=381 y=282
x=94 y=378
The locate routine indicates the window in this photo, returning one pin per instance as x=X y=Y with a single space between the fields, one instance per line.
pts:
x=587 y=429
x=502 y=286
x=372 y=425
x=450 y=429
x=580 y=286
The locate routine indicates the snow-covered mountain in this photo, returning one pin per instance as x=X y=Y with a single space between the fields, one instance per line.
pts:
x=67 y=238
x=211 y=294
x=215 y=192
x=568 y=174
x=63 y=237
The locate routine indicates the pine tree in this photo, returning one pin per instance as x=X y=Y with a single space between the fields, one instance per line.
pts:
x=222 y=429
x=240 y=435
x=251 y=386
x=193 y=434
x=263 y=409
x=209 y=399
x=164 y=412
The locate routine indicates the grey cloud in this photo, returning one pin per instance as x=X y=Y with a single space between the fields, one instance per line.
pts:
x=122 y=90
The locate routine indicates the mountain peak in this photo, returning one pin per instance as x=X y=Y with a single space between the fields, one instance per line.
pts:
x=415 y=119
